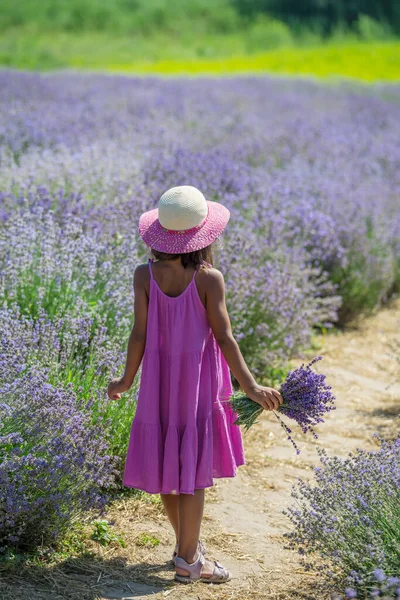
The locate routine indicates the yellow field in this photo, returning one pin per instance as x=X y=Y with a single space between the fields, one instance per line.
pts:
x=366 y=62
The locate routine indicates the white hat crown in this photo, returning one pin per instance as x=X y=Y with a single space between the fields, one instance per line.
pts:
x=182 y=207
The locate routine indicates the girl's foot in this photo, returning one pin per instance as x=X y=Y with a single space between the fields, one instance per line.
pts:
x=201 y=547
x=201 y=569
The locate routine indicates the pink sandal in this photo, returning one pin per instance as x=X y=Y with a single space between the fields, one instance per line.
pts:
x=220 y=574
x=200 y=546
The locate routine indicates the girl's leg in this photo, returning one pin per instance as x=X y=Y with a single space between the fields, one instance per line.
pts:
x=170 y=502
x=191 y=509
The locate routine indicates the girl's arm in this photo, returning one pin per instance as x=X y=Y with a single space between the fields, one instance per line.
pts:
x=219 y=321
x=137 y=338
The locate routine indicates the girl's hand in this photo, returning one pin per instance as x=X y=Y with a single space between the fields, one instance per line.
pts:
x=267 y=397
x=116 y=387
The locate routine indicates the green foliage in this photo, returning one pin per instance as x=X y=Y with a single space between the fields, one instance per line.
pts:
x=369 y=29
x=149 y=541
x=104 y=535
x=73 y=542
x=266 y=33
x=123 y=16
x=364 y=283
x=247 y=410
x=325 y=15
x=207 y=17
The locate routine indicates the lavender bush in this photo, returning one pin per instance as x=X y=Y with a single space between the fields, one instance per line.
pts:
x=54 y=265
x=348 y=517
x=72 y=361
x=53 y=463
x=306 y=399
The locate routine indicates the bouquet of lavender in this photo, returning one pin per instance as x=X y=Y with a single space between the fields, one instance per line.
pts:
x=306 y=398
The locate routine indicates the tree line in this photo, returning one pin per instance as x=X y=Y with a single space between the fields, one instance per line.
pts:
x=324 y=15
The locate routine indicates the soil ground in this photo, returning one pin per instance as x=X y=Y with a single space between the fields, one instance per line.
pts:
x=243 y=525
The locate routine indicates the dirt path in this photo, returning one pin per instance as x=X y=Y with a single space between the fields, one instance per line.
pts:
x=243 y=523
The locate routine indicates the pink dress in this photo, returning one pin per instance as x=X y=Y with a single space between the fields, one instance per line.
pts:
x=182 y=434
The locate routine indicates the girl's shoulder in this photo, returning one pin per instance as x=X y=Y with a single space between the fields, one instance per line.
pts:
x=142 y=267
x=142 y=271
x=141 y=277
x=209 y=270
x=210 y=276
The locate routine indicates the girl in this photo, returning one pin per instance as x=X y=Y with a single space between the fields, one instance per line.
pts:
x=183 y=434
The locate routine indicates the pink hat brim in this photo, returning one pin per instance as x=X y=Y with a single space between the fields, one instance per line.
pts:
x=153 y=234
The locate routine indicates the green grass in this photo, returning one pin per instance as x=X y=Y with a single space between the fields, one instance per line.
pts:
x=147 y=540
x=199 y=55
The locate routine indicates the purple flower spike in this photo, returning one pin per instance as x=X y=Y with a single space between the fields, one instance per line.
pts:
x=306 y=399
x=379 y=575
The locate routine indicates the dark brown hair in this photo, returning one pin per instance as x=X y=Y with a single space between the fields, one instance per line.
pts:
x=188 y=258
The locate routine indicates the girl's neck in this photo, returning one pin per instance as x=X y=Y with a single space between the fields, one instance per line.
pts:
x=175 y=263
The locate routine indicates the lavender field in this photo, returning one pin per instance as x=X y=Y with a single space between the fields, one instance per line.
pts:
x=311 y=175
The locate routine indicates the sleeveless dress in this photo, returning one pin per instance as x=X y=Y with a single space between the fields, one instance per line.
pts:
x=182 y=435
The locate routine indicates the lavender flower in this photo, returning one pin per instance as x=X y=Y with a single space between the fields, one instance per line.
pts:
x=349 y=516
x=376 y=584
x=306 y=398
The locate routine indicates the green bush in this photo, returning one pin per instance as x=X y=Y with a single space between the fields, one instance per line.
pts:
x=370 y=29
x=265 y=33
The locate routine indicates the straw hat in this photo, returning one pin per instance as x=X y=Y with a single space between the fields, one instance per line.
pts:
x=183 y=222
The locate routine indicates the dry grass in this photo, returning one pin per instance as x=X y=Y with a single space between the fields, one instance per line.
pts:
x=87 y=577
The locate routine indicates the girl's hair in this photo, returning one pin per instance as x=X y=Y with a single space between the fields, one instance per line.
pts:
x=188 y=258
